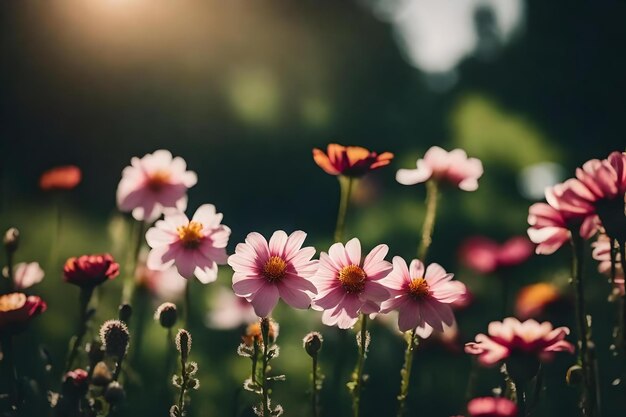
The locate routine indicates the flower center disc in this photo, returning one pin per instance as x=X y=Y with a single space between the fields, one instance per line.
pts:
x=158 y=180
x=12 y=301
x=191 y=235
x=352 y=278
x=274 y=268
x=418 y=287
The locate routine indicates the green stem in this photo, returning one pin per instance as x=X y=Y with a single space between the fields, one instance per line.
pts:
x=185 y=377
x=537 y=391
x=589 y=401
x=432 y=195
x=129 y=284
x=187 y=309
x=412 y=341
x=345 y=184
x=85 y=297
x=357 y=377
x=264 y=388
x=314 y=399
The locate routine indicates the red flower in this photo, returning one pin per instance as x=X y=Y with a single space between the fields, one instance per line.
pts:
x=60 y=178
x=78 y=377
x=351 y=161
x=16 y=310
x=90 y=270
x=491 y=407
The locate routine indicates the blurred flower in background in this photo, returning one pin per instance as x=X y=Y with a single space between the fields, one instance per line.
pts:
x=229 y=311
x=27 y=274
x=535 y=300
x=60 y=178
x=486 y=256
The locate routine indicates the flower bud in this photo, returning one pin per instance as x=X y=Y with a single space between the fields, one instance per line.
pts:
x=114 y=393
x=78 y=377
x=312 y=343
x=101 y=374
x=124 y=312
x=11 y=240
x=114 y=337
x=183 y=343
x=166 y=314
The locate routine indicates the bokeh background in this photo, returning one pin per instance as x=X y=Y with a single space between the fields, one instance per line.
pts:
x=243 y=90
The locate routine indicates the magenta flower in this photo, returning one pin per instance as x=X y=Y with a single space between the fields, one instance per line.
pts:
x=347 y=285
x=195 y=247
x=153 y=184
x=26 y=275
x=491 y=407
x=486 y=256
x=282 y=268
x=453 y=167
x=511 y=338
x=421 y=296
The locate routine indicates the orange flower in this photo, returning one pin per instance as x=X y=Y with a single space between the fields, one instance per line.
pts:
x=253 y=333
x=532 y=300
x=352 y=161
x=60 y=178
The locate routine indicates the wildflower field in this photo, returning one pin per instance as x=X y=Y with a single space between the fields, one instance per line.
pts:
x=386 y=223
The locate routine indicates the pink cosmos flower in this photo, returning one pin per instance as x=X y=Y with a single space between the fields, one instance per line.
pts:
x=195 y=247
x=453 y=167
x=511 y=337
x=229 y=311
x=26 y=275
x=154 y=183
x=347 y=285
x=282 y=268
x=491 y=407
x=486 y=256
x=421 y=295
x=167 y=285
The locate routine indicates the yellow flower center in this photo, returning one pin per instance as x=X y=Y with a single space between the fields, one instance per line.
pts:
x=191 y=234
x=12 y=301
x=158 y=179
x=274 y=268
x=352 y=278
x=418 y=288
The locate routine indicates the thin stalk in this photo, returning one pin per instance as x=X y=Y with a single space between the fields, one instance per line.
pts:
x=264 y=388
x=187 y=309
x=345 y=184
x=536 y=391
x=432 y=195
x=412 y=341
x=357 y=376
x=185 y=377
x=314 y=393
x=589 y=400
x=9 y=360
x=131 y=265
x=85 y=297
x=118 y=367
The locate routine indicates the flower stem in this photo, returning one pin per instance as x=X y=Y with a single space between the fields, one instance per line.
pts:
x=412 y=341
x=345 y=184
x=536 y=391
x=264 y=388
x=589 y=399
x=187 y=308
x=357 y=376
x=314 y=392
x=129 y=284
x=183 y=385
x=9 y=360
x=85 y=297
x=432 y=195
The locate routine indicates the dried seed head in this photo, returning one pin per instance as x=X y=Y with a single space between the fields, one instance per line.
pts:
x=312 y=343
x=114 y=337
x=183 y=343
x=166 y=314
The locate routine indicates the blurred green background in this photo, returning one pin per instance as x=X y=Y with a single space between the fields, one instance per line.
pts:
x=243 y=91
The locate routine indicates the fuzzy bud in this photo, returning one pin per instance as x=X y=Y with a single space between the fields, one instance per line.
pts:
x=101 y=374
x=114 y=337
x=183 y=343
x=312 y=343
x=11 y=240
x=124 y=312
x=166 y=315
x=114 y=393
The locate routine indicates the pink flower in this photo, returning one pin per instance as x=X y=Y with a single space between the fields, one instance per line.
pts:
x=511 y=338
x=491 y=407
x=351 y=161
x=347 y=285
x=229 y=311
x=167 y=285
x=153 y=184
x=26 y=275
x=421 y=296
x=195 y=247
x=17 y=310
x=453 y=167
x=282 y=268
x=89 y=271
x=486 y=256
